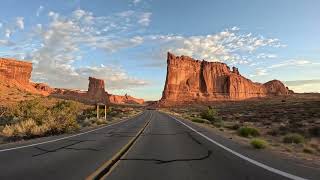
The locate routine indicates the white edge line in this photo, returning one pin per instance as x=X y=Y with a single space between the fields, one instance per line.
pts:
x=271 y=169
x=67 y=137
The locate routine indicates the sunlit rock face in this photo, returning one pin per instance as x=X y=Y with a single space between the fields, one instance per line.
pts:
x=190 y=80
x=17 y=73
x=11 y=69
x=126 y=99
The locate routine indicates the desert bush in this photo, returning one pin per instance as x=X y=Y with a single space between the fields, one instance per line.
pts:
x=232 y=126
x=34 y=119
x=64 y=117
x=248 y=131
x=308 y=150
x=315 y=131
x=218 y=123
x=293 y=138
x=24 y=129
x=210 y=114
x=258 y=143
x=101 y=121
x=199 y=120
x=31 y=109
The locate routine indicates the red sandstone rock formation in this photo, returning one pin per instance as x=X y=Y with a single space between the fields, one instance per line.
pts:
x=95 y=94
x=15 y=70
x=126 y=99
x=96 y=90
x=190 y=80
x=17 y=73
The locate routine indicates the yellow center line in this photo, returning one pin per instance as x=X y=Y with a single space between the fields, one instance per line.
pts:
x=105 y=169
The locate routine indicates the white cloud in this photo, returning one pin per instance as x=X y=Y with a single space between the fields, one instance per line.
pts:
x=136 y=2
x=266 y=56
x=20 y=22
x=39 y=11
x=259 y=72
x=116 y=77
x=228 y=46
x=6 y=43
x=144 y=19
x=8 y=33
x=291 y=63
x=302 y=86
x=235 y=28
x=65 y=38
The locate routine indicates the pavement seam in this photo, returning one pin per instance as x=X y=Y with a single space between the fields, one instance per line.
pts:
x=108 y=166
x=261 y=165
x=68 y=137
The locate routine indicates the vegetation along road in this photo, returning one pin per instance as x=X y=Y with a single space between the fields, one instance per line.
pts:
x=152 y=145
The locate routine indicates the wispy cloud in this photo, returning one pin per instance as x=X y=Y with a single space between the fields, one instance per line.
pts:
x=302 y=82
x=288 y=63
x=55 y=47
x=302 y=86
x=230 y=46
x=39 y=10
x=259 y=72
x=20 y=22
x=135 y=2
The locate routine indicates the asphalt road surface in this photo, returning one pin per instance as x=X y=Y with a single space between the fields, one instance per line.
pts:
x=168 y=148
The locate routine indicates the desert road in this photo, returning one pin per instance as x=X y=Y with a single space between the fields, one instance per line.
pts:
x=162 y=147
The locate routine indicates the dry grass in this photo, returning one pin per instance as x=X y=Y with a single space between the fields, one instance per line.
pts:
x=274 y=117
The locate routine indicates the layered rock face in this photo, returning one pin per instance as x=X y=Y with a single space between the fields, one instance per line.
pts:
x=190 y=80
x=96 y=93
x=126 y=99
x=15 y=70
x=96 y=90
x=15 y=73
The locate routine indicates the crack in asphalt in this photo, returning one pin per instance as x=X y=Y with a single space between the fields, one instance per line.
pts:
x=68 y=147
x=159 y=161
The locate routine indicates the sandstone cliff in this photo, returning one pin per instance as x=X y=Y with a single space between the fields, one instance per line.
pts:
x=17 y=74
x=15 y=70
x=95 y=94
x=190 y=80
x=126 y=99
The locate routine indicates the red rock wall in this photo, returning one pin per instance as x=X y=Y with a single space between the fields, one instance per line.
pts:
x=126 y=99
x=15 y=70
x=190 y=80
x=95 y=94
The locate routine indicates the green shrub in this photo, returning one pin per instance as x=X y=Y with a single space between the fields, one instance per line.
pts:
x=31 y=109
x=218 y=123
x=258 y=143
x=34 y=119
x=293 y=138
x=199 y=120
x=64 y=115
x=248 y=131
x=232 y=126
x=308 y=150
x=315 y=131
x=210 y=114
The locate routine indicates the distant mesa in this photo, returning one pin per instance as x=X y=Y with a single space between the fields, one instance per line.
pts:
x=17 y=74
x=189 y=80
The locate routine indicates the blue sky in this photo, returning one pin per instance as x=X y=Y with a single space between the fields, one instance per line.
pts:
x=125 y=42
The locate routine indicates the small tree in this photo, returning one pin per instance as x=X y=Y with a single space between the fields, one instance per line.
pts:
x=210 y=114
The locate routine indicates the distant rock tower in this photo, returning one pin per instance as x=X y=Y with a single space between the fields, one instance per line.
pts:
x=96 y=90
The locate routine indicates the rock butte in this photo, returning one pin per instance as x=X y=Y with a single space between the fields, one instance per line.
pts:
x=190 y=80
x=18 y=73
